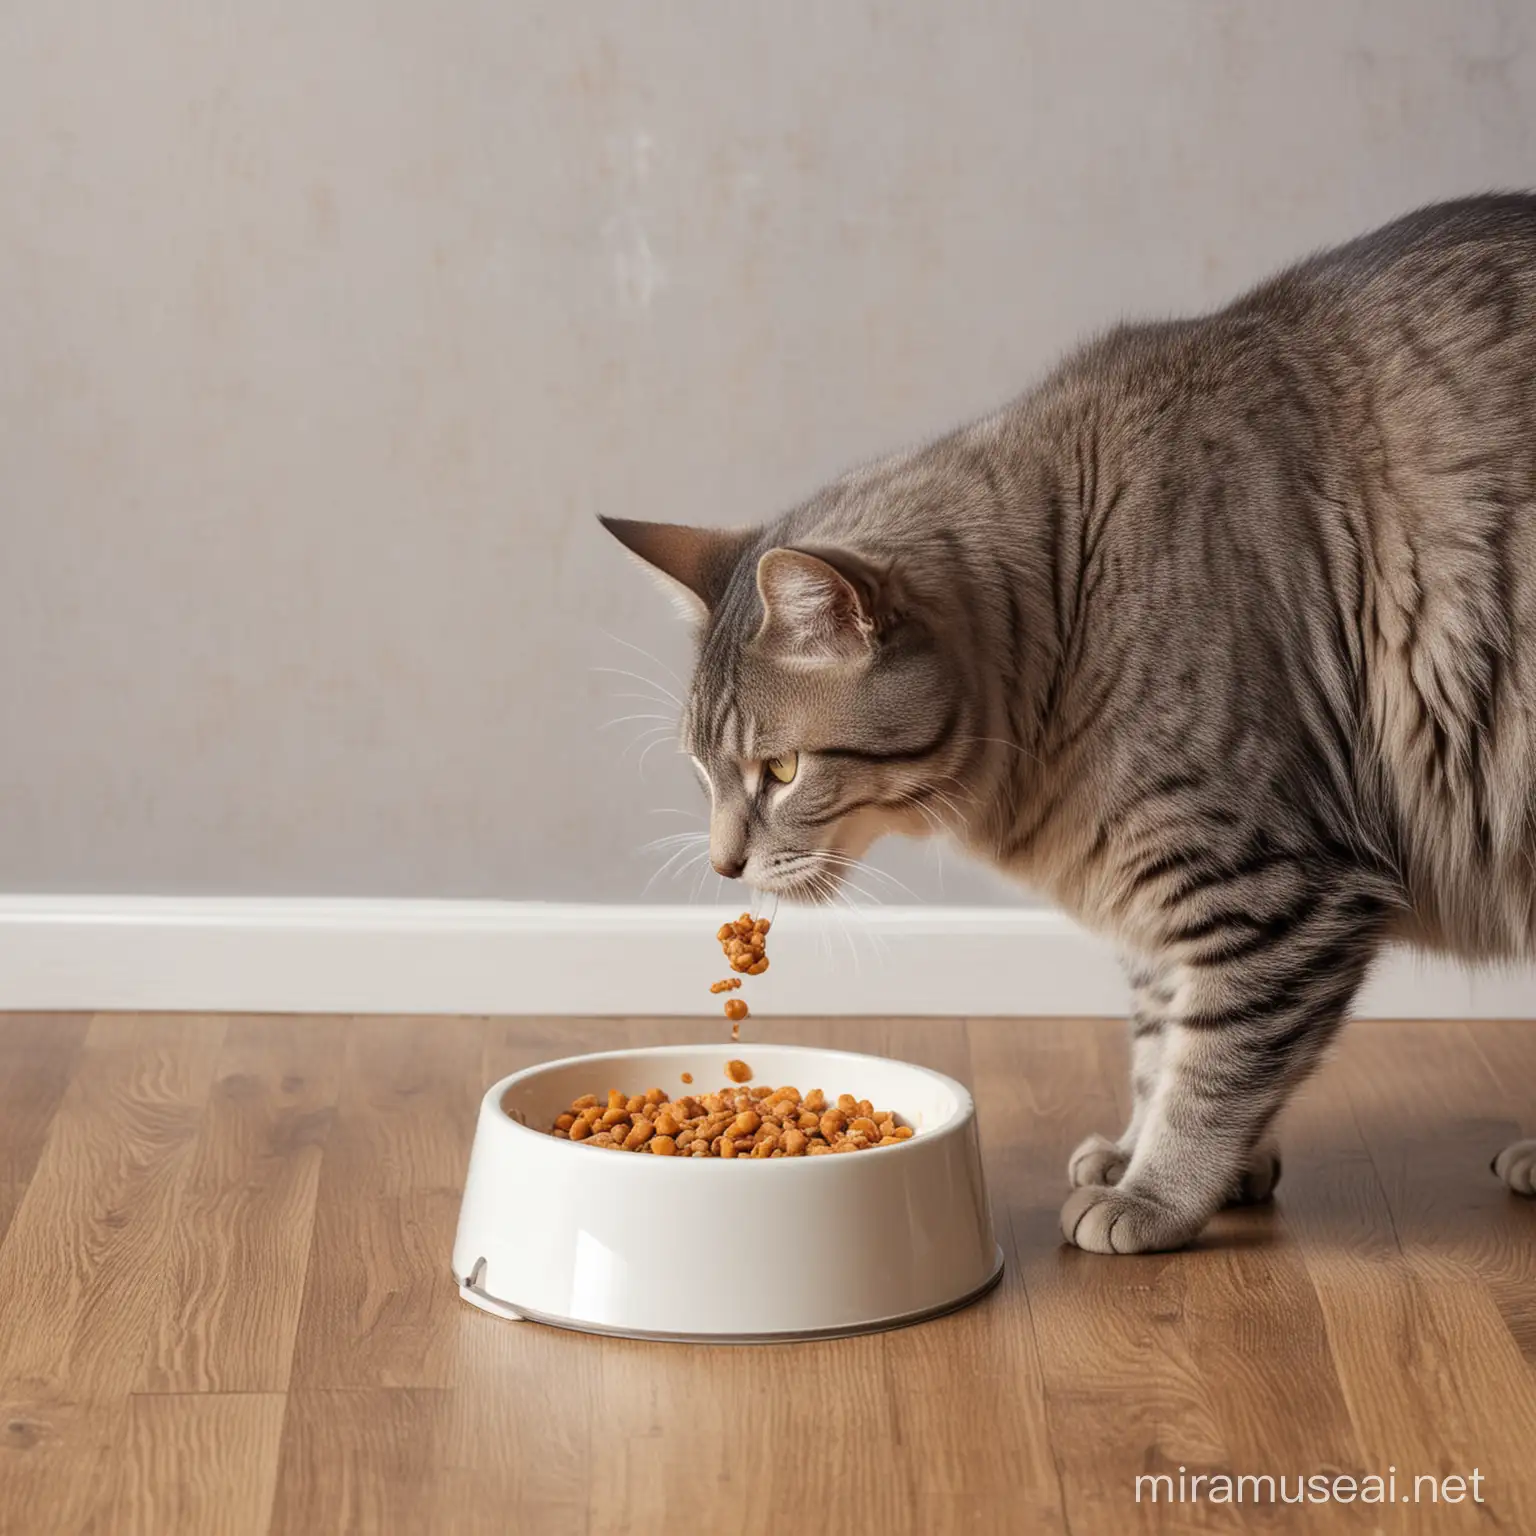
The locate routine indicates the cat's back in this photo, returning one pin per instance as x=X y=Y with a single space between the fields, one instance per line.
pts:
x=1430 y=320
x=1449 y=286
x=1486 y=236
x=1392 y=376
x=1354 y=443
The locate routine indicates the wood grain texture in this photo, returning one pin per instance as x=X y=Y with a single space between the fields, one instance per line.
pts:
x=82 y=1263
x=197 y=1462
x=36 y=1064
x=234 y=1275
x=388 y=1201
x=88 y=1245
x=227 y=1305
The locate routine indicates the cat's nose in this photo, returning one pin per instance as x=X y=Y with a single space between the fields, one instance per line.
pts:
x=727 y=865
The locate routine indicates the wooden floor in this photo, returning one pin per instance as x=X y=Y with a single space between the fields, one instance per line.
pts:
x=225 y=1305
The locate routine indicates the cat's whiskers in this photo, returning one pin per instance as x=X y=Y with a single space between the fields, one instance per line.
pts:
x=955 y=787
x=650 y=682
x=877 y=943
x=646 y=739
x=683 y=850
x=672 y=859
x=640 y=650
x=845 y=884
x=704 y=874
x=838 y=885
x=944 y=798
x=672 y=839
x=823 y=886
x=844 y=861
x=608 y=725
x=932 y=817
x=640 y=765
x=697 y=859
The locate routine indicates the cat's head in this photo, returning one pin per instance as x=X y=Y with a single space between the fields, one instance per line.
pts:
x=823 y=710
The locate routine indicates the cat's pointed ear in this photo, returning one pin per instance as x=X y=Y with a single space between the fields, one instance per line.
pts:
x=693 y=565
x=821 y=608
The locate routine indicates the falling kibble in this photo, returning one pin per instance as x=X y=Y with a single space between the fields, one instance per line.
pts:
x=744 y=943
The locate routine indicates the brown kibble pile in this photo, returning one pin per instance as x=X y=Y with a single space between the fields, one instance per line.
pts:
x=736 y=1122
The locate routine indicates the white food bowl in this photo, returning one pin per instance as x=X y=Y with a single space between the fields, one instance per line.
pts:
x=725 y=1250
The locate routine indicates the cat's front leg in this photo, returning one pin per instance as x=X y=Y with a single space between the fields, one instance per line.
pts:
x=1098 y=1160
x=1241 y=1032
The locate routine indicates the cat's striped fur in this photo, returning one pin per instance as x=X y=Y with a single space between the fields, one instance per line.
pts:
x=1224 y=636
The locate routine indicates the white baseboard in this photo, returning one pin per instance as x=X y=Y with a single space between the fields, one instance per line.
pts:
x=466 y=957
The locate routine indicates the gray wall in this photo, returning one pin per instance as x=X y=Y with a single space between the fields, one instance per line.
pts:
x=326 y=329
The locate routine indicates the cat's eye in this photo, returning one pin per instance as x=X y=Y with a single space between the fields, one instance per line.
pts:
x=784 y=767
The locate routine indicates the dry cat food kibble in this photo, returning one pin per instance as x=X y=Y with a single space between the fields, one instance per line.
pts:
x=738 y=1071
x=744 y=943
x=736 y=1122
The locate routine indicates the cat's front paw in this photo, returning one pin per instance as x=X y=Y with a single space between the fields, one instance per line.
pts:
x=1097 y=1161
x=1516 y=1165
x=1101 y=1219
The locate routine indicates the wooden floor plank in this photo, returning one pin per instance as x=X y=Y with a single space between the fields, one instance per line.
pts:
x=504 y=1447
x=1426 y=1313
x=238 y=1253
x=749 y=1431
x=198 y=1464
x=1505 y=1050
x=379 y=1307
x=36 y=1062
x=363 y=1460
x=82 y=1262
x=60 y=1452
x=1111 y=1348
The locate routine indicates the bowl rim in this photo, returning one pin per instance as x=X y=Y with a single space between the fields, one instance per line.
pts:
x=954 y=1124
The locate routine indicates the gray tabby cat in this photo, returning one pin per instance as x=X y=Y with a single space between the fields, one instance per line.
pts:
x=1224 y=636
